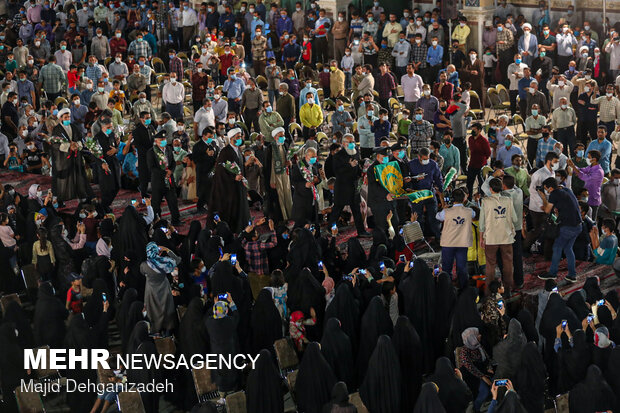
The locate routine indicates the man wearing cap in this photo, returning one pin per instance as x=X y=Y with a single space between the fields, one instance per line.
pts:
x=160 y=161
x=348 y=172
x=379 y=199
x=528 y=45
x=279 y=196
x=229 y=195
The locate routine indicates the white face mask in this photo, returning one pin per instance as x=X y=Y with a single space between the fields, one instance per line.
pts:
x=588 y=161
x=144 y=313
x=555 y=166
x=424 y=161
x=586 y=89
x=216 y=97
x=427 y=92
x=311 y=101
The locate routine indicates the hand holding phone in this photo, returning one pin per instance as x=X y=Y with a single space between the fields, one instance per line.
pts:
x=233 y=259
x=104 y=297
x=501 y=382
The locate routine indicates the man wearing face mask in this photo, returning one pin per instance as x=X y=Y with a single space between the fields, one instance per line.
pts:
x=268 y=121
x=229 y=194
x=143 y=141
x=311 y=116
x=379 y=199
x=565 y=40
x=609 y=107
x=348 y=172
x=545 y=145
x=278 y=185
x=535 y=206
x=425 y=174
x=160 y=161
x=108 y=165
x=610 y=197
x=173 y=94
x=204 y=154
x=603 y=146
x=204 y=117
x=473 y=71
x=304 y=180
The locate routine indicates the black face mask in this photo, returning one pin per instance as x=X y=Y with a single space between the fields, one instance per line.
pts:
x=545 y=134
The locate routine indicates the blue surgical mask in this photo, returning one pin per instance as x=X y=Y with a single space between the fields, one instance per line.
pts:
x=66 y=122
x=418 y=117
x=208 y=141
x=580 y=154
x=269 y=109
x=371 y=112
x=385 y=160
x=163 y=143
x=507 y=143
x=534 y=112
x=518 y=61
x=177 y=149
x=351 y=145
x=238 y=142
x=109 y=131
x=281 y=139
x=341 y=108
x=401 y=154
x=313 y=160
x=285 y=236
x=147 y=122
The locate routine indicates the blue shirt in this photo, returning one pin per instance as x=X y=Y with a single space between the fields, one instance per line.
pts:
x=23 y=90
x=381 y=130
x=93 y=73
x=523 y=85
x=254 y=25
x=129 y=163
x=605 y=149
x=304 y=91
x=234 y=89
x=505 y=154
x=227 y=21
x=434 y=56
x=432 y=178
x=283 y=25
x=543 y=148
x=320 y=22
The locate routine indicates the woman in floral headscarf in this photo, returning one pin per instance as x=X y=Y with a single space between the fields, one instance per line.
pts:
x=474 y=365
x=158 y=300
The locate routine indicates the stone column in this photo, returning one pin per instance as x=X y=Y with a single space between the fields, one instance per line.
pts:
x=477 y=12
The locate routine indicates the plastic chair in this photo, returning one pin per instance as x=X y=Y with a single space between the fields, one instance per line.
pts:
x=158 y=65
x=261 y=82
x=504 y=96
x=478 y=110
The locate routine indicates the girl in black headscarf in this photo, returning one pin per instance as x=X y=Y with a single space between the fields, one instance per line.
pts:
x=14 y=313
x=506 y=353
x=339 y=403
x=593 y=290
x=465 y=315
x=528 y=325
x=375 y=323
x=127 y=299
x=380 y=390
x=128 y=274
x=11 y=365
x=141 y=343
x=345 y=308
x=277 y=254
x=49 y=318
x=190 y=243
x=511 y=404
x=418 y=292
x=94 y=305
x=305 y=292
x=428 y=401
x=131 y=234
x=336 y=348
x=265 y=321
x=453 y=392
x=315 y=381
x=593 y=394
x=530 y=379
x=444 y=306
x=577 y=303
x=573 y=362
x=135 y=314
x=264 y=387
x=409 y=351
x=356 y=256
x=303 y=252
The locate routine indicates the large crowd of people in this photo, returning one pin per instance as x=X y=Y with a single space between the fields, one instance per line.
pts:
x=269 y=126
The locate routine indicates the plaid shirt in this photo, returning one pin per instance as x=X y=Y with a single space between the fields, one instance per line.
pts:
x=609 y=110
x=384 y=85
x=176 y=66
x=507 y=37
x=418 y=54
x=256 y=254
x=52 y=77
x=544 y=148
x=140 y=48
x=420 y=134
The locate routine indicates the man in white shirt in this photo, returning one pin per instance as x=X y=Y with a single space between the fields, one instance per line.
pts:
x=204 y=117
x=173 y=95
x=515 y=72
x=190 y=20
x=560 y=87
x=412 y=87
x=400 y=52
x=552 y=164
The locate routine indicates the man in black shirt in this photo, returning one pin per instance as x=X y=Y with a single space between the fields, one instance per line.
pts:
x=32 y=158
x=564 y=202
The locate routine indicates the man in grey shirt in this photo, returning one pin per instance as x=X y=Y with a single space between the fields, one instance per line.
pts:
x=220 y=108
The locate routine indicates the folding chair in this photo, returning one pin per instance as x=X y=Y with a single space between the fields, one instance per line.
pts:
x=286 y=355
x=561 y=403
x=475 y=104
x=356 y=400
x=235 y=403
x=28 y=402
x=206 y=389
x=165 y=345
x=8 y=299
x=46 y=374
x=412 y=232
x=130 y=401
x=291 y=381
x=504 y=96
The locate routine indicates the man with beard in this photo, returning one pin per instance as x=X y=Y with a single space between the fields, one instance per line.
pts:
x=346 y=192
x=110 y=173
x=143 y=141
x=68 y=175
x=304 y=179
x=160 y=162
x=229 y=195
x=204 y=154
x=380 y=200
x=279 y=189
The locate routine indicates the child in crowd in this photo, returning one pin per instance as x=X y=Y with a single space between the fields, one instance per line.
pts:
x=74 y=294
x=489 y=60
